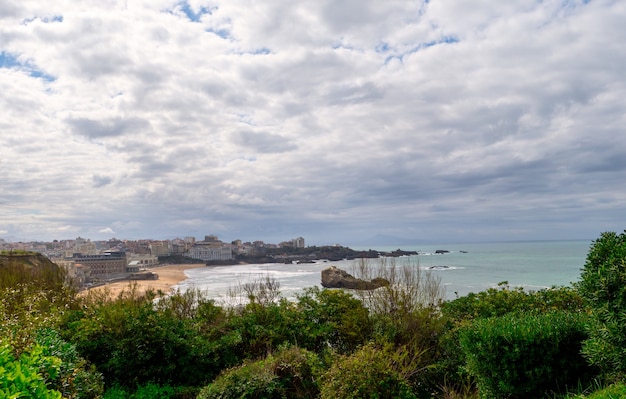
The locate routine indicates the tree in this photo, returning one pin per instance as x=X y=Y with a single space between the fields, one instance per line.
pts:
x=603 y=285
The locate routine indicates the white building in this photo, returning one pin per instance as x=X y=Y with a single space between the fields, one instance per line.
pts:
x=210 y=252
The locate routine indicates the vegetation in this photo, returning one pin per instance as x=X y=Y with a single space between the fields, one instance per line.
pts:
x=400 y=341
x=603 y=285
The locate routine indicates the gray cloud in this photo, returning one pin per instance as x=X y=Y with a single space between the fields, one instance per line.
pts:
x=101 y=181
x=263 y=142
x=334 y=121
x=113 y=127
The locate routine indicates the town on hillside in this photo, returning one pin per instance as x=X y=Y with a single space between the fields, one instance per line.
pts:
x=94 y=262
x=91 y=263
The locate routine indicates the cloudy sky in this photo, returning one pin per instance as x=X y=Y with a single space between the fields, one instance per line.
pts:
x=339 y=121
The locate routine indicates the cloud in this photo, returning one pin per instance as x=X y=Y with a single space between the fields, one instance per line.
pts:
x=106 y=128
x=332 y=121
x=263 y=142
x=106 y=230
x=100 y=181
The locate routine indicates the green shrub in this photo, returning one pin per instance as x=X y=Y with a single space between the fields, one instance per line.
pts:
x=330 y=319
x=495 y=302
x=75 y=378
x=370 y=373
x=148 y=391
x=288 y=374
x=28 y=375
x=521 y=356
x=132 y=341
x=615 y=391
x=603 y=285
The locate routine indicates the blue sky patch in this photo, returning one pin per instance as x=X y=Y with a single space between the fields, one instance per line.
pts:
x=422 y=46
x=46 y=20
x=9 y=61
x=223 y=33
x=194 y=16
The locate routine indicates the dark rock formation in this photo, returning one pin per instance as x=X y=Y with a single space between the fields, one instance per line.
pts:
x=398 y=252
x=441 y=251
x=333 y=277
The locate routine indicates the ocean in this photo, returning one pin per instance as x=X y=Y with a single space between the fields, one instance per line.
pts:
x=467 y=267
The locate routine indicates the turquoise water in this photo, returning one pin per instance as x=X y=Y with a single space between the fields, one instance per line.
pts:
x=466 y=268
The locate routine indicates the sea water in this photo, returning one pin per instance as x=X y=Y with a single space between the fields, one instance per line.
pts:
x=469 y=267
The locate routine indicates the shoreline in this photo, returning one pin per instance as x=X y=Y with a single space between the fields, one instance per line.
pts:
x=169 y=276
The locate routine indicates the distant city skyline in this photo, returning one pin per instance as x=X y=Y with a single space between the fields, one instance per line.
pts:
x=352 y=122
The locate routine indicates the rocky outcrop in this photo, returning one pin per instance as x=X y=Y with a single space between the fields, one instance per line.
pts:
x=333 y=277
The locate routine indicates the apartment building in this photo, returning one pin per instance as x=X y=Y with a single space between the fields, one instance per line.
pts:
x=210 y=251
x=105 y=266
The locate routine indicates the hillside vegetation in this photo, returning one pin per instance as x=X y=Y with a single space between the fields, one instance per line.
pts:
x=401 y=341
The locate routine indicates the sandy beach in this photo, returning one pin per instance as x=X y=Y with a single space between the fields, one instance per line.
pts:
x=169 y=276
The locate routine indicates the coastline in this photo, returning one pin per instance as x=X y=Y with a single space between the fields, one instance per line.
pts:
x=169 y=276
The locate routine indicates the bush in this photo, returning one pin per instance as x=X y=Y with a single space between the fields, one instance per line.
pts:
x=132 y=341
x=521 y=356
x=330 y=319
x=495 y=302
x=409 y=288
x=288 y=374
x=368 y=373
x=614 y=391
x=149 y=391
x=28 y=375
x=75 y=378
x=603 y=285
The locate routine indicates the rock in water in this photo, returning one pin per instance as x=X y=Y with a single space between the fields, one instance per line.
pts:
x=333 y=277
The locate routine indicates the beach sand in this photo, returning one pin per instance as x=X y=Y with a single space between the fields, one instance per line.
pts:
x=169 y=276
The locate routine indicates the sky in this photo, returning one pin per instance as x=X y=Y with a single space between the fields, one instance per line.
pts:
x=353 y=121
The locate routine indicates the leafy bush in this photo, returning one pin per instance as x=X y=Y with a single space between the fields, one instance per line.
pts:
x=495 y=302
x=614 y=391
x=330 y=319
x=75 y=378
x=288 y=374
x=28 y=375
x=370 y=372
x=33 y=294
x=603 y=285
x=157 y=343
x=257 y=329
x=526 y=355
x=150 y=391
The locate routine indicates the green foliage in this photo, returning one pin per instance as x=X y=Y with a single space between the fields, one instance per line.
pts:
x=495 y=302
x=27 y=376
x=525 y=355
x=370 y=372
x=288 y=374
x=173 y=342
x=150 y=391
x=331 y=319
x=603 y=285
x=75 y=378
x=615 y=391
x=33 y=295
x=257 y=329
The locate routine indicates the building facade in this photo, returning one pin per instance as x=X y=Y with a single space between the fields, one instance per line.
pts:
x=210 y=252
x=105 y=266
